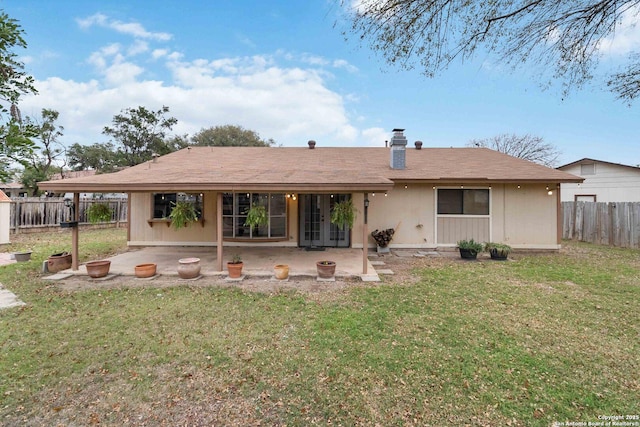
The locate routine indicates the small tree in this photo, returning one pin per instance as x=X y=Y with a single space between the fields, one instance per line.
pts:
x=229 y=136
x=141 y=133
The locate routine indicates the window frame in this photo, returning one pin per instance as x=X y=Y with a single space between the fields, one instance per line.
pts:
x=462 y=214
x=238 y=211
x=177 y=195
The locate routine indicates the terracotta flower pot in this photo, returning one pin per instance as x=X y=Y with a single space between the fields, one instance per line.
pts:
x=58 y=262
x=281 y=271
x=189 y=268
x=326 y=269
x=145 y=270
x=97 y=269
x=235 y=270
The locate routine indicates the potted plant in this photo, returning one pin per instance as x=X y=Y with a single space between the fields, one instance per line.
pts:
x=257 y=217
x=235 y=267
x=343 y=214
x=469 y=248
x=326 y=269
x=498 y=251
x=183 y=214
x=383 y=238
x=99 y=212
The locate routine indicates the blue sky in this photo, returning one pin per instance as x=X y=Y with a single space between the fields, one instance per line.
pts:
x=283 y=69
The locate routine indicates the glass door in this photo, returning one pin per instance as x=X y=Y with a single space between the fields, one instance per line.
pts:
x=316 y=229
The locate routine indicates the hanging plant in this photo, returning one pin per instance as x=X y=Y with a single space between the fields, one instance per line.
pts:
x=99 y=212
x=257 y=217
x=343 y=214
x=182 y=214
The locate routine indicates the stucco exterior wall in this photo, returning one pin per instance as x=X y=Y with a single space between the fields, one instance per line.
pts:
x=529 y=217
x=144 y=233
x=522 y=217
x=610 y=183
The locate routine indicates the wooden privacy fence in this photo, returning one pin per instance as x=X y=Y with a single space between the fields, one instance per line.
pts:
x=614 y=224
x=35 y=213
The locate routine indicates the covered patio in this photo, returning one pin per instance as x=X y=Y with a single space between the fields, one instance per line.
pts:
x=258 y=261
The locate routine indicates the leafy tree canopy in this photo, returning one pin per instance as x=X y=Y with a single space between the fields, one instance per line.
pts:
x=564 y=36
x=230 y=136
x=140 y=133
x=527 y=147
x=15 y=145
x=98 y=156
x=46 y=152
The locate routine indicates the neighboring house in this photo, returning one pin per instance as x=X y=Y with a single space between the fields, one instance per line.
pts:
x=603 y=182
x=13 y=189
x=433 y=197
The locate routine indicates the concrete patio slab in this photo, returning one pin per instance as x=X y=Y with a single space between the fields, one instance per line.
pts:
x=8 y=299
x=258 y=262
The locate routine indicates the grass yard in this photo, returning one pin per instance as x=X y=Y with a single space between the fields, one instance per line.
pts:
x=533 y=341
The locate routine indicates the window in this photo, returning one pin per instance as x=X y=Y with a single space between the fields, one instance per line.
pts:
x=234 y=214
x=463 y=202
x=588 y=169
x=163 y=203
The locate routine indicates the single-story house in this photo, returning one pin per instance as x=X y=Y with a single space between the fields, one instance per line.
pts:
x=603 y=182
x=13 y=189
x=432 y=197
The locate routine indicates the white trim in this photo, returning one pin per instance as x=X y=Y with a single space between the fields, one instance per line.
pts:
x=453 y=187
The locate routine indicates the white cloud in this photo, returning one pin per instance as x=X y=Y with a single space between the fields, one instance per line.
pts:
x=375 y=136
x=627 y=36
x=341 y=63
x=288 y=104
x=137 y=48
x=159 y=53
x=130 y=28
x=283 y=96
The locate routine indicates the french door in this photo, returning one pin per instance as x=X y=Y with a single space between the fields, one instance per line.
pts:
x=316 y=229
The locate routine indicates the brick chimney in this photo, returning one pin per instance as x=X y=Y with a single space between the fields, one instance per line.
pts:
x=398 y=149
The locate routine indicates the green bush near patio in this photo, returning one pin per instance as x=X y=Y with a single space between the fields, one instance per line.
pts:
x=538 y=339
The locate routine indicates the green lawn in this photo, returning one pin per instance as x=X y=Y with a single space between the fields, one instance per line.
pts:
x=538 y=339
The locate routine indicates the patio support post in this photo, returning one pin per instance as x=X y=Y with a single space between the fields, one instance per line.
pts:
x=219 y=229
x=75 y=232
x=365 y=235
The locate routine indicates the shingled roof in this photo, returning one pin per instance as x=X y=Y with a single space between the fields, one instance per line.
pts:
x=303 y=169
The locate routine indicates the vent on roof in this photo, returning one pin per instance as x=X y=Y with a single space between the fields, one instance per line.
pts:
x=418 y=145
x=398 y=146
x=312 y=144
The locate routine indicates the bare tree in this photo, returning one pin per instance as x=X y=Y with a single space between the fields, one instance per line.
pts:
x=564 y=36
x=527 y=147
